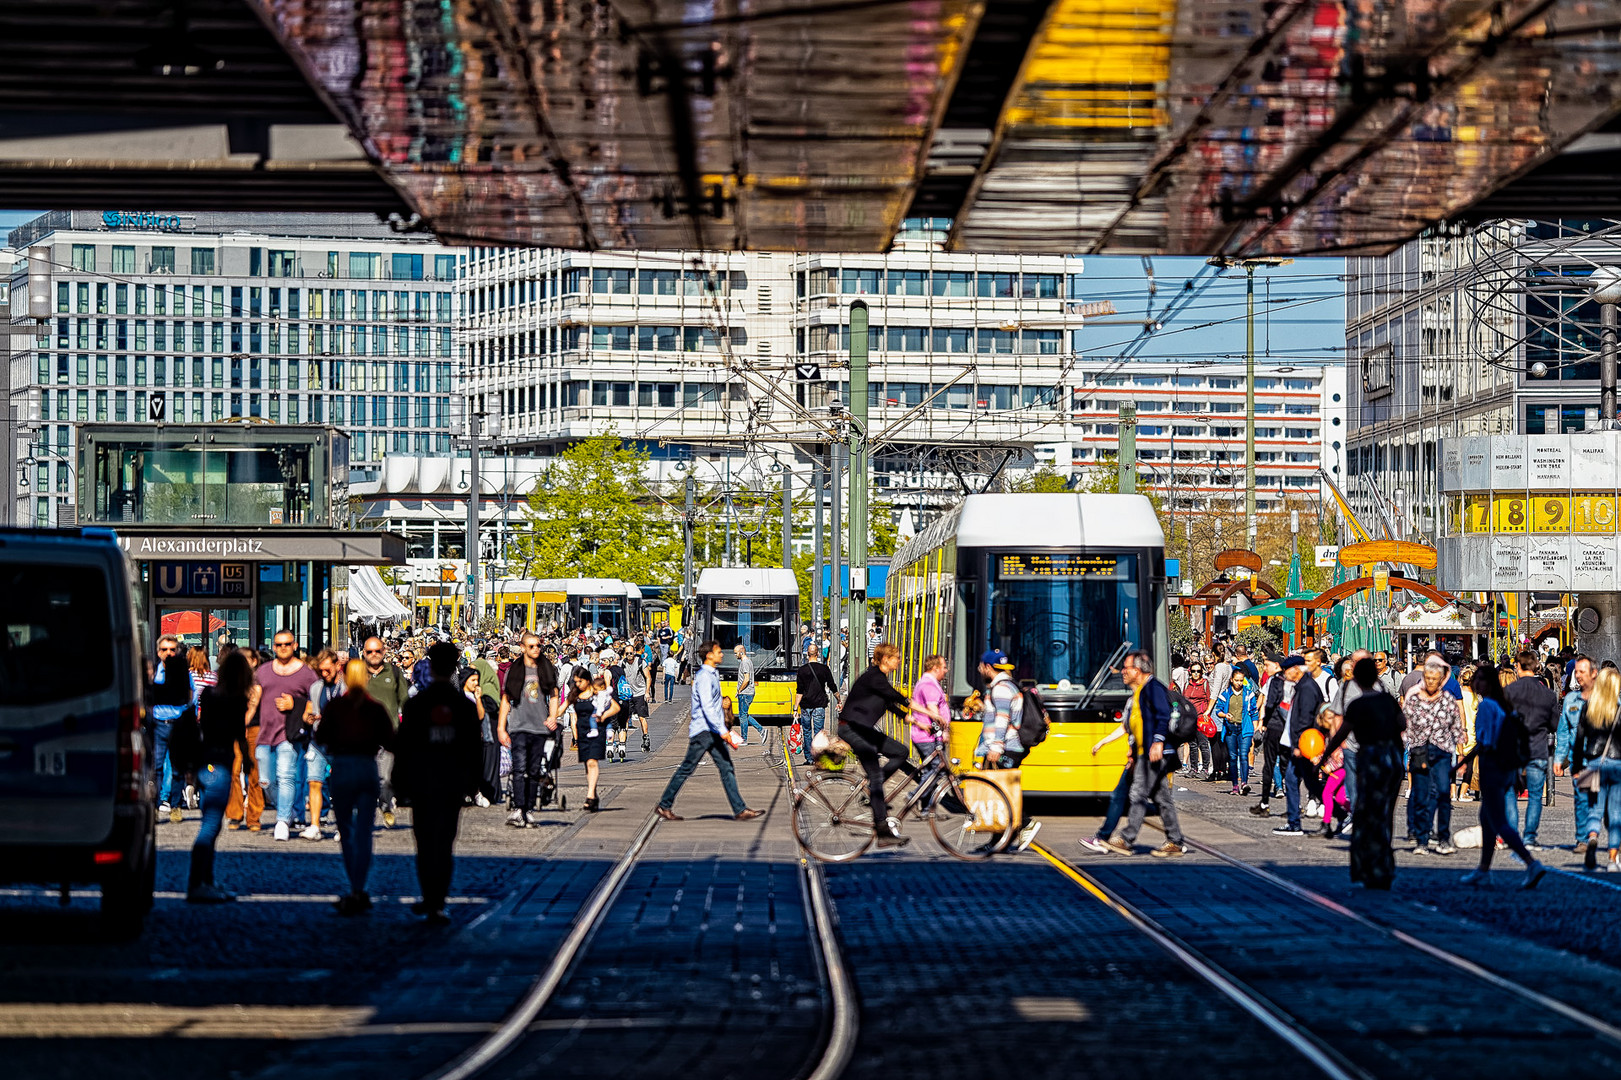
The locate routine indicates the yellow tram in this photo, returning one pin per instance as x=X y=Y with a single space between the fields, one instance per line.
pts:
x=1056 y=581
x=759 y=608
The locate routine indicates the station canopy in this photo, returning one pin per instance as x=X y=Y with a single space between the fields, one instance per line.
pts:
x=1238 y=127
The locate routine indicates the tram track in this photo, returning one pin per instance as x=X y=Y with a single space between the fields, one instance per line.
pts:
x=503 y=1051
x=1416 y=1008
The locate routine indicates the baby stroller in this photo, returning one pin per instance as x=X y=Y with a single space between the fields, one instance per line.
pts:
x=551 y=759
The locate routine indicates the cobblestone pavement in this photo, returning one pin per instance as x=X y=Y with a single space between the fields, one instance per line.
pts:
x=233 y=990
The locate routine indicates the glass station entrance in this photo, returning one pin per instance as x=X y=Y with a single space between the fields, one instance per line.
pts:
x=237 y=530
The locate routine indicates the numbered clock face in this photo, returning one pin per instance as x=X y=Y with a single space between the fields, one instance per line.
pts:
x=1587 y=620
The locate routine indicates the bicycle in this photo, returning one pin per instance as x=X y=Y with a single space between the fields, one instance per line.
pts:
x=971 y=818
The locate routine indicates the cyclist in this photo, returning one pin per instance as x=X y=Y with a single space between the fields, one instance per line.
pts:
x=871 y=696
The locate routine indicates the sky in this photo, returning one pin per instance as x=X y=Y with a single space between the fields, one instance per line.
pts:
x=1299 y=311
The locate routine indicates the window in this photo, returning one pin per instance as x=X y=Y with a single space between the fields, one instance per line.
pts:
x=907 y=283
x=997 y=341
x=283 y=263
x=123 y=260
x=608 y=281
x=953 y=283
x=444 y=269
x=948 y=339
x=854 y=280
x=202 y=261
x=1300 y=433
x=62 y=296
x=656 y=282
x=406 y=266
x=666 y=338
x=906 y=338
x=84 y=257
x=1041 y=286
x=163 y=260
x=997 y=285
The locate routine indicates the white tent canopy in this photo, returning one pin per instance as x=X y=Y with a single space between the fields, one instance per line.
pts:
x=371 y=598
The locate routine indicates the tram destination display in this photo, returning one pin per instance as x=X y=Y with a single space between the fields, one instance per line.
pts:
x=1062 y=564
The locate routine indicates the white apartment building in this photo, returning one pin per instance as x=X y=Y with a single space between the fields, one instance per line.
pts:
x=285 y=318
x=1191 y=428
x=682 y=351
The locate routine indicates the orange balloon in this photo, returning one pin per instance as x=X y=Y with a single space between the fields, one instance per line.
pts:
x=1311 y=742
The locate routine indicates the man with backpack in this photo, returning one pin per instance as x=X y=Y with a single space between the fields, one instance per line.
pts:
x=1013 y=722
x=1154 y=765
x=1301 y=700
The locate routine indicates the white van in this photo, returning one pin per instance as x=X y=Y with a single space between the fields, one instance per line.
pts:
x=77 y=799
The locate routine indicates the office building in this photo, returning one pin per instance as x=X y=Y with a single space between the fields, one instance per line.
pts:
x=209 y=317
x=1488 y=332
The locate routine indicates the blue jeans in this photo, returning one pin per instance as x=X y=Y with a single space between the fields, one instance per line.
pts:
x=811 y=721
x=1238 y=753
x=669 y=688
x=1350 y=780
x=1432 y=798
x=1291 y=787
x=1119 y=800
x=705 y=742
x=744 y=720
x=1589 y=814
x=215 y=782
x=1536 y=782
x=279 y=763
x=354 y=790
x=313 y=768
x=169 y=783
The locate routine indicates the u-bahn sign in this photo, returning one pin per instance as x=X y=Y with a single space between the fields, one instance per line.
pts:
x=1531 y=512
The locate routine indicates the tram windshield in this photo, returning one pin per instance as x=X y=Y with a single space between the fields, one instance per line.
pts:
x=758 y=624
x=603 y=612
x=1059 y=616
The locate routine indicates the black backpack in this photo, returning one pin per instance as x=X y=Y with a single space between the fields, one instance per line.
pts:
x=1184 y=718
x=186 y=742
x=1033 y=720
x=1513 y=749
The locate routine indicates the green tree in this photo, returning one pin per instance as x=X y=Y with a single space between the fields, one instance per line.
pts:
x=593 y=515
x=1183 y=636
x=1044 y=479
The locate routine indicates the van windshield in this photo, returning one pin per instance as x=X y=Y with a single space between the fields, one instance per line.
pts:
x=58 y=642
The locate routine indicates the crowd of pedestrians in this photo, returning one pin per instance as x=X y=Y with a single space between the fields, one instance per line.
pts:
x=331 y=746
x=1341 y=740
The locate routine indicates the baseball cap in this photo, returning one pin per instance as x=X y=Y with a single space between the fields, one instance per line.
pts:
x=996 y=658
x=1291 y=661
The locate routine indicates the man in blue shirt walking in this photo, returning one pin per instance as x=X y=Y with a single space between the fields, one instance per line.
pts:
x=706 y=734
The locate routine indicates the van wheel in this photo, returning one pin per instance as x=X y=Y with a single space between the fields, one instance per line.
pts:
x=126 y=897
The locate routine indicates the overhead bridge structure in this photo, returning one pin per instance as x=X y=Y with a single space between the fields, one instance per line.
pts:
x=1215 y=127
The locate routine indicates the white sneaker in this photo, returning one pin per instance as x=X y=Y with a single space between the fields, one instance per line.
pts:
x=282 y=831
x=1313 y=808
x=480 y=801
x=1027 y=836
x=313 y=833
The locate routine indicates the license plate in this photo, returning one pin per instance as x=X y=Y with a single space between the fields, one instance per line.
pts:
x=50 y=762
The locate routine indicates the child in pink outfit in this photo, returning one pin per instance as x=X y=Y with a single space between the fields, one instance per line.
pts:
x=1335 y=804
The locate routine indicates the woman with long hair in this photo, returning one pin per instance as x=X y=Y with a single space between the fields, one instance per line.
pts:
x=1377 y=722
x=352 y=730
x=1495 y=738
x=221 y=713
x=1596 y=741
x=592 y=708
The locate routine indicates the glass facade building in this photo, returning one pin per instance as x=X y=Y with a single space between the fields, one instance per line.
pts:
x=276 y=318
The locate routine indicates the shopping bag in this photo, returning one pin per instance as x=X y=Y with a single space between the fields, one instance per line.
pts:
x=990 y=813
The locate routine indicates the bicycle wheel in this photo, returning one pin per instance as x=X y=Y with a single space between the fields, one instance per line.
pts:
x=971 y=817
x=832 y=819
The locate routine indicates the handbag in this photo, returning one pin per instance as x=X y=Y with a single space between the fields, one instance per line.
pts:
x=1590 y=783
